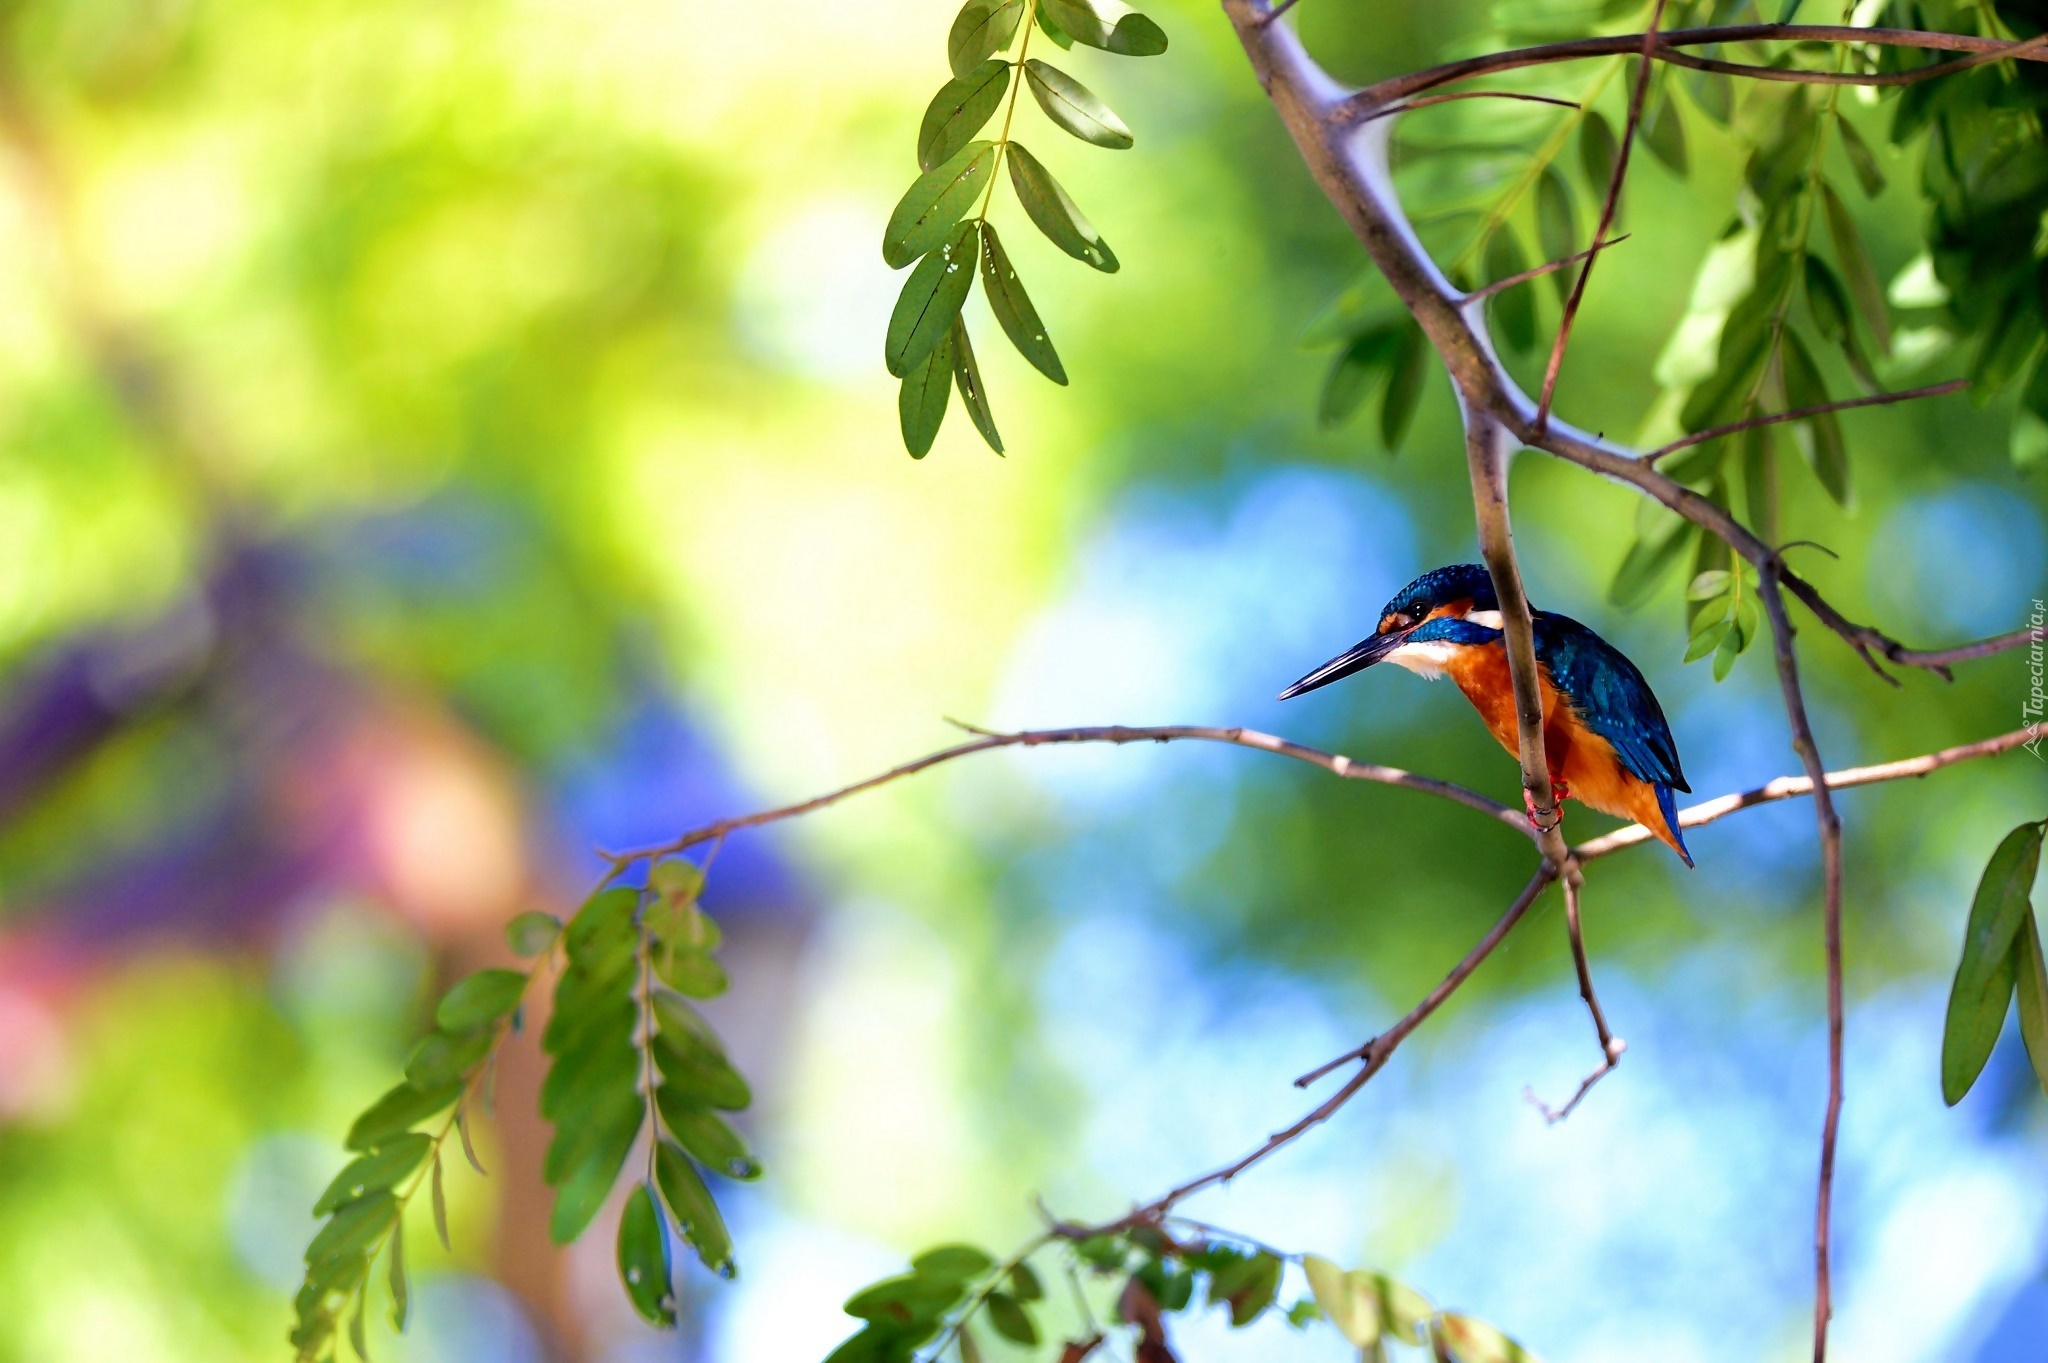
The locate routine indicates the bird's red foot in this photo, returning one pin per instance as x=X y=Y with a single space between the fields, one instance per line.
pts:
x=1557 y=795
x=1559 y=792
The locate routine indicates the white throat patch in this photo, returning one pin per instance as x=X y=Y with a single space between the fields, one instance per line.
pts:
x=1489 y=619
x=1425 y=660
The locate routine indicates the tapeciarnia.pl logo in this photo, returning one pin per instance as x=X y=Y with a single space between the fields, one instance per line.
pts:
x=2036 y=701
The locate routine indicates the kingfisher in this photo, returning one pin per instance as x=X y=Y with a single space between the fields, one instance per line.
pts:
x=1604 y=734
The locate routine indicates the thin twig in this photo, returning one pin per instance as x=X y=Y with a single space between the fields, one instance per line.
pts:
x=1608 y=208
x=1427 y=100
x=1792 y=787
x=1933 y=390
x=989 y=741
x=1668 y=48
x=1804 y=76
x=1547 y=267
x=1611 y=1046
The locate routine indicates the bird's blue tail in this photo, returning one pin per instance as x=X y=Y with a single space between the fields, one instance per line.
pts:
x=1668 y=807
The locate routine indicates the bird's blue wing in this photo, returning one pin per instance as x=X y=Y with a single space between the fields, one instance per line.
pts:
x=1610 y=696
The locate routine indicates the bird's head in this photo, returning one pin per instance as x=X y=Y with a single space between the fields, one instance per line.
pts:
x=1421 y=628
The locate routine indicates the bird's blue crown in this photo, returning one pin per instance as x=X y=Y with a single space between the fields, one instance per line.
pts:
x=1441 y=586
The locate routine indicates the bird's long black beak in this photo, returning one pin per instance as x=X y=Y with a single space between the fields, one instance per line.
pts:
x=1357 y=658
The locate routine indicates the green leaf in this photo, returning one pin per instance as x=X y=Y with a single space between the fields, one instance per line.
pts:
x=932 y=297
x=440 y=1200
x=1107 y=24
x=957 y=1262
x=1984 y=978
x=1664 y=134
x=609 y=1120
x=1056 y=215
x=396 y=1112
x=1251 y=1290
x=1557 y=224
x=380 y=1169
x=1708 y=585
x=959 y=110
x=1402 y=1308
x=982 y=29
x=582 y=1080
x=355 y=1330
x=940 y=198
x=1474 y=1341
x=401 y=1287
x=1514 y=309
x=353 y=1228
x=921 y=401
x=602 y=932
x=2030 y=981
x=1826 y=299
x=1053 y=31
x=1714 y=94
x=1349 y=1301
x=973 y=393
x=440 y=1058
x=1862 y=159
x=1011 y=1320
x=705 y=1135
x=1404 y=386
x=1367 y=301
x=480 y=1000
x=1013 y=310
x=698 y=973
x=1597 y=151
x=689 y=1201
x=532 y=933
x=1743 y=352
x=1024 y=1284
x=1357 y=368
x=1648 y=559
x=583 y=1191
x=1075 y=107
x=643 y=1258
x=1823 y=445
x=1709 y=639
x=1856 y=267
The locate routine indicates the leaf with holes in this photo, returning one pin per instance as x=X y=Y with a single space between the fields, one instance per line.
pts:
x=1075 y=107
x=643 y=1258
x=959 y=110
x=931 y=299
x=1013 y=310
x=973 y=392
x=1056 y=215
x=690 y=1202
x=938 y=199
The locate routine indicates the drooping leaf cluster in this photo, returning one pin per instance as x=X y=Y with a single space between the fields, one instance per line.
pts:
x=928 y=346
x=1147 y=1276
x=2001 y=964
x=632 y=1065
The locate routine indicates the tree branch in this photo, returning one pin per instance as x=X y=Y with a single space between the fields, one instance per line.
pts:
x=1611 y=1046
x=990 y=741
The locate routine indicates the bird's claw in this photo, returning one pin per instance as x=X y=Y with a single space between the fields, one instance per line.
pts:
x=1558 y=792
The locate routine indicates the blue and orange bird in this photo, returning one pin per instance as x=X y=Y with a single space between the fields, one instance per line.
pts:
x=1604 y=734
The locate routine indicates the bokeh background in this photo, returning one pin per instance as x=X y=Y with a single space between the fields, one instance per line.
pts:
x=441 y=437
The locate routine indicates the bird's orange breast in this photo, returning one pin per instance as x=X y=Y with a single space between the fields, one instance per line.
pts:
x=1577 y=756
